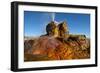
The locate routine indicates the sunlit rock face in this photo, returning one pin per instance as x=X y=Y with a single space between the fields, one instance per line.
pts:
x=57 y=44
x=52 y=29
x=57 y=29
x=63 y=29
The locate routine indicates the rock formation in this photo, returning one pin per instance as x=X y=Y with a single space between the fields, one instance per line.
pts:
x=52 y=29
x=57 y=44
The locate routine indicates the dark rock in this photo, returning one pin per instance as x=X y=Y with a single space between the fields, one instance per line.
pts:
x=51 y=29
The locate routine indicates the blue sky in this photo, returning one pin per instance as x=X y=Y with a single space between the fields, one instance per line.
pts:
x=35 y=22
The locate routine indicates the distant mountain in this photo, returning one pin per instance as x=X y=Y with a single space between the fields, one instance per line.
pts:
x=29 y=37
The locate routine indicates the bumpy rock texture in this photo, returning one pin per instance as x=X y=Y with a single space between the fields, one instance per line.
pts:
x=57 y=44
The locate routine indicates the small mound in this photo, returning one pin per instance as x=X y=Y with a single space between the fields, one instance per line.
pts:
x=52 y=48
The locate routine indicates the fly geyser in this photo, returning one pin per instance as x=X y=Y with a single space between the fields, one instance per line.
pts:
x=57 y=44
